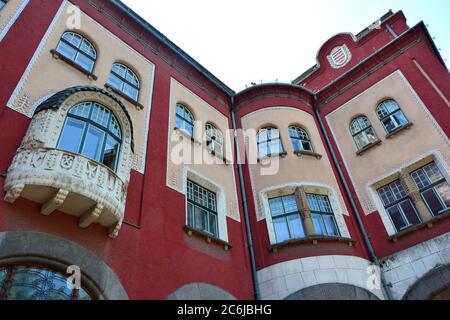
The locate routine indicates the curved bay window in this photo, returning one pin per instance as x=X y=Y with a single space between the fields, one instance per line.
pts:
x=391 y=116
x=433 y=187
x=185 y=120
x=287 y=221
x=269 y=142
x=214 y=139
x=125 y=80
x=363 y=132
x=77 y=49
x=322 y=215
x=37 y=283
x=300 y=139
x=202 y=209
x=399 y=206
x=92 y=130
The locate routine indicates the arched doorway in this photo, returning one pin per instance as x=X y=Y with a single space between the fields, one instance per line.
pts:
x=435 y=285
x=33 y=265
x=332 y=291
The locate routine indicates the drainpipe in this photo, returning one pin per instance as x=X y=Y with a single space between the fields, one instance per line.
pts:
x=251 y=249
x=384 y=285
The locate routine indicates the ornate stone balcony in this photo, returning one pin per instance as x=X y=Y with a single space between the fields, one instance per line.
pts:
x=70 y=183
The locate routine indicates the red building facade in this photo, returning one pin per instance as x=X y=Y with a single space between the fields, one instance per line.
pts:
x=126 y=158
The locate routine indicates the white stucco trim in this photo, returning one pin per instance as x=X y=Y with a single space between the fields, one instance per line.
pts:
x=13 y=19
x=189 y=173
x=283 y=279
x=438 y=159
x=36 y=55
x=330 y=192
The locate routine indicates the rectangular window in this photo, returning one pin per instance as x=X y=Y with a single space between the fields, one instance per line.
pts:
x=202 y=209
x=434 y=189
x=399 y=206
x=286 y=217
x=322 y=215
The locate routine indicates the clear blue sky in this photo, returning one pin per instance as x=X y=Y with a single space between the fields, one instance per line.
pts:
x=244 y=41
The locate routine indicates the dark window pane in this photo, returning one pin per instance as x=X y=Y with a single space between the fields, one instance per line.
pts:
x=72 y=134
x=432 y=201
x=201 y=219
x=213 y=224
x=389 y=124
x=307 y=146
x=110 y=156
x=410 y=212
x=93 y=143
x=399 y=118
x=281 y=229
x=397 y=218
x=296 y=226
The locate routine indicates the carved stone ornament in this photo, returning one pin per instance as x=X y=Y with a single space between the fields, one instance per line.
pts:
x=66 y=181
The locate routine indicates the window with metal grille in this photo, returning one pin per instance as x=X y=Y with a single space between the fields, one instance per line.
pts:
x=286 y=218
x=300 y=139
x=214 y=139
x=19 y=282
x=125 y=80
x=433 y=187
x=269 y=142
x=185 y=120
x=391 y=116
x=399 y=206
x=362 y=132
x=202 y=209
x=322 y=215
x=77 y=49
x=92 y=130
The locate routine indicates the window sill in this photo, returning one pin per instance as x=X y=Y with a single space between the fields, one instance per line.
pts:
x=368 y=147
x=281 y=155
x=428 y=224
x=400 y=129
x=208 y=237
x=120 y=93
x=311 y=240
x=58 y=56
x=316 y=155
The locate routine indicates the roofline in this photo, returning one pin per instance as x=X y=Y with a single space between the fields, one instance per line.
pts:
x=419 y=25
x=360 y=35
x=172 y=46
x=270 y=84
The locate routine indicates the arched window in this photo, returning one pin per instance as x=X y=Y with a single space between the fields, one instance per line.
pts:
x=362 y=132
x=214 y=139
x=125 y=80
x=92 y=130
x=300 y=139
x=77 y=49
x=391 y=116
x=185 y=120
x=269 y=142
x=22 y=282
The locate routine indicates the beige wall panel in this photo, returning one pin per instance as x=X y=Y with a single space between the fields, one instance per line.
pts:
x=46 y=75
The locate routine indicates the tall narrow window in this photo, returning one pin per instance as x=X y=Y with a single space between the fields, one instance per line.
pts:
x=300 y=139
x=202 y=209
x=287 y=221
x=362 y=132
x=269 y=142
x=399 y=206
x=322 y=215
x=185 y=120
x=125 y=80
x=77 y=49
x=214 y=139
x=433 y=187
x=93 y=131
x=391 y=116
